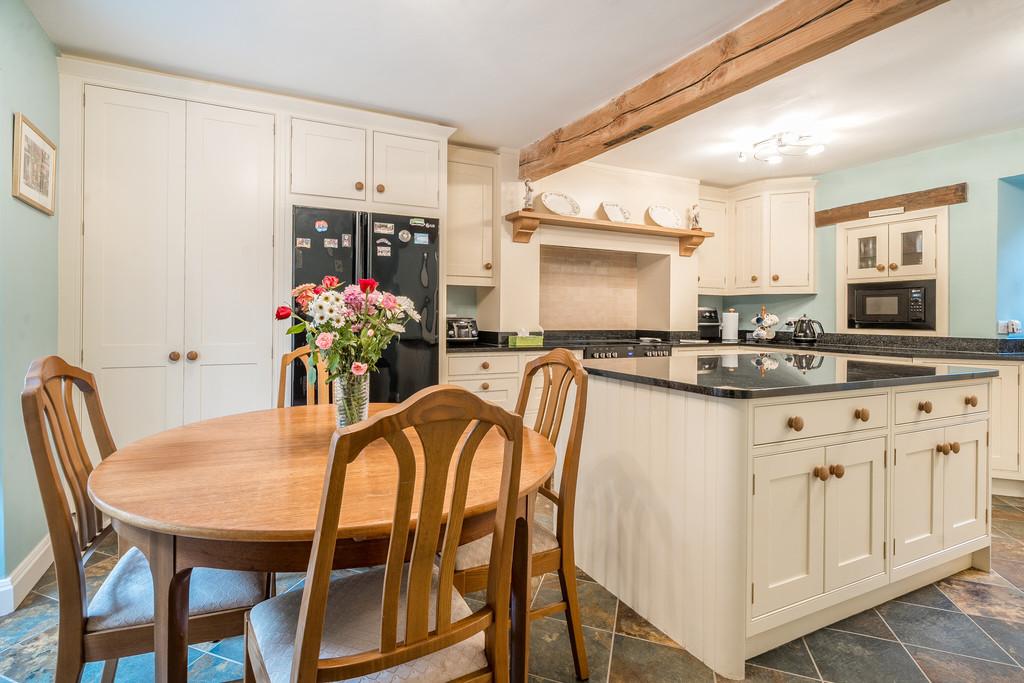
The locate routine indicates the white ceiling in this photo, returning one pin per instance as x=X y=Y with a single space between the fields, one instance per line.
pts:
x=504 y=73
x=949 y=74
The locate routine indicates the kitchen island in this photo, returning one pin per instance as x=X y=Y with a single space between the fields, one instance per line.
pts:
x=740 y=501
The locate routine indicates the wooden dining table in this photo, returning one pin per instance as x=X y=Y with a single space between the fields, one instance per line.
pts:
x=242 y=492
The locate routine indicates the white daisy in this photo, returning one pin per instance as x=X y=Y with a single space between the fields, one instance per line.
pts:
x=395 y=327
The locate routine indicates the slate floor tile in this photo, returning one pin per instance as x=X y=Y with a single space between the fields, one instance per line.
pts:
x=231 y=648
x=978 y=576
x=1013 y=572
x=998 y=602
x=759 y=674
x=36 y=614
x=551 y=658
x=1008 y=549
x=1011 y=527
x=792 y=657
x=940 y=630
x=640 y=661
x=1009 y=635
x=850 y=658
x=866 y=623
x=1007 y=512
x=942 y=667
x=210 y=669
x=597 y=603
x=96 y=572
x=928 y=596
x=629 y=623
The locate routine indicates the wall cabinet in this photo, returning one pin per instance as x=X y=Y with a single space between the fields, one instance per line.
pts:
x=748 y=272
x=328 y=160
x=904 y=249
x=714 y=274
x=789 y=240
x=406 y=170
x=472 y=207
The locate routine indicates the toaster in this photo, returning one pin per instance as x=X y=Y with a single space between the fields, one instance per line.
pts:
x=462 y=330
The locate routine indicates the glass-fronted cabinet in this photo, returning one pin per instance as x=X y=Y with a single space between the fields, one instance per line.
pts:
x=867 y=252
x=903 y=249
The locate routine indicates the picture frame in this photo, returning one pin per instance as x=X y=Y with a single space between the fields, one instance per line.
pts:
x=34 y=166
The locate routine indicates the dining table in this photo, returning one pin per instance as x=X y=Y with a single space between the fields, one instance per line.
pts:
x=242 y=492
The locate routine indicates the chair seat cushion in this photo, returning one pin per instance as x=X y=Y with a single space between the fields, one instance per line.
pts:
x=126 y=597
x=478 y=553
x=352 y=626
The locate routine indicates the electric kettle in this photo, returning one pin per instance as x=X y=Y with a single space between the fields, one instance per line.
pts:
x=804 y=332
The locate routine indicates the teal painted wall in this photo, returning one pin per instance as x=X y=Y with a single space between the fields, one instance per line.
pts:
x=1010 y=241
x=973 y=226
x=28 y=272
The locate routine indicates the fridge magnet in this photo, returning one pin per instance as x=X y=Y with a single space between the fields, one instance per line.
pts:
x=302 y=243
x=346 y=241
x=421 y=238
x=35 y=166
x=383 y=251
x=416 y=222
x=320 y=226
x=330 y=243
x=384 y=228
x=404 y=235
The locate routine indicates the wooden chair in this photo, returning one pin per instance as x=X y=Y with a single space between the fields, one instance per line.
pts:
x=560 y=369
x=365 y=622
x=323 y=394
x=118 y=621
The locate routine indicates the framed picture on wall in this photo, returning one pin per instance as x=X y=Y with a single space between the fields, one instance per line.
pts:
x=35 y=166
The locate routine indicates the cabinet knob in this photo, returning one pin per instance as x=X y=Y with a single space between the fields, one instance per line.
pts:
x=925 y=406
x=821 y=473
x=862 y=414
x=192 y=355
x=894 y=266
x=485 y=386
x=880 y=267
x=488 y=265
x=174 y=356
x=796 y=423
x=955 y=446
x=485 y=365
x=837 y=470
x=943 y=448
x=775 y=278
x=971 y=401
x=380 y=187
x=359 y=185
x=753 y=278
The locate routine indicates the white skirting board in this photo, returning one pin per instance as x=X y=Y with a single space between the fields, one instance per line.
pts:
x=15 y=587
x=1008 y=487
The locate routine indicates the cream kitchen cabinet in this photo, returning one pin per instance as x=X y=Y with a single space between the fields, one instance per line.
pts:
x=472 y=205
x=714 y=258
x=901 y=249
x=328 y=160
x=789 y=240
x=748 y=272
x=406 y=170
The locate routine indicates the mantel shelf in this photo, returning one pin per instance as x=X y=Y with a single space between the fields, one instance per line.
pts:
x=525 y=223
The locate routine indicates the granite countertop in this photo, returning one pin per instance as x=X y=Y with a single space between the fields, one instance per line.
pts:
x=892 y=351
x=484 y=347
x=757 y=375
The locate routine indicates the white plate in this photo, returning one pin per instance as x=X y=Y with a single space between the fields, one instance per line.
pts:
x=615 y=212
x=559 y=203
x=664 y=216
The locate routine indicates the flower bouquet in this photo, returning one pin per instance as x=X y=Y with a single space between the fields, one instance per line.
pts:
x=348 y=328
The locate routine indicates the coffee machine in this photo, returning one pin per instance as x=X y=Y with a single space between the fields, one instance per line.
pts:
x=709 y=324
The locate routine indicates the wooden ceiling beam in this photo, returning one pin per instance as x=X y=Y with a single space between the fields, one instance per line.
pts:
x=780 y=39
x=911 y=201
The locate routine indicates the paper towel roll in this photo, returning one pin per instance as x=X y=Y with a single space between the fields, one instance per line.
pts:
x=730 y=326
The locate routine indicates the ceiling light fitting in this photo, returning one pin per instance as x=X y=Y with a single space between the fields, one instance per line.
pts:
x=772 y=150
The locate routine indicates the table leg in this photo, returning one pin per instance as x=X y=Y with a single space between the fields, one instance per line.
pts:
x=521 y=592
x=170 y=611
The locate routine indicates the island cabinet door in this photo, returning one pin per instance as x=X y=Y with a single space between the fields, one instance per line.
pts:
x=854 y=512
x=917 y=495
x=965 y=483
x=788 y=529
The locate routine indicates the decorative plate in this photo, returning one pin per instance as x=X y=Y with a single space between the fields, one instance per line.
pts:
x=615 y=212
x=664 y=216
x=559 y=203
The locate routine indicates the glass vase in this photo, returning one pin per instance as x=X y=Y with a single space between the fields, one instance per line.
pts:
x=352 y=398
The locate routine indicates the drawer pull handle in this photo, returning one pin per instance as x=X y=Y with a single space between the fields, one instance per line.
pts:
x=880 y=267
x=488 y=265
x=359 y=186
x=485 y=386
x=174 y=356
x=862 y=414
x=925 y=406
x=775 y=278
x=943 y=448
x=837 y=470
x=192 y=355
x=894 y=266
x=753 y=278
x=971 y=401
x=380 y=187
x=485 y=365
x=821 y=473
x=955 y=446
x=795 y=423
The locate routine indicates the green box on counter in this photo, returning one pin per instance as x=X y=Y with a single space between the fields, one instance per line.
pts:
x=516 y=341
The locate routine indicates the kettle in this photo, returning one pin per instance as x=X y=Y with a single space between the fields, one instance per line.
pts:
x=803 y=330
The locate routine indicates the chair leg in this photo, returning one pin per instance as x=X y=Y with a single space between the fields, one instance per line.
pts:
x=249 y=676
x=567 y=579
x=109 y=671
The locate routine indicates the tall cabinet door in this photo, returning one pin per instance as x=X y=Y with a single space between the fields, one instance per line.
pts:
x=917 y=495
x=229 y=261
x=749 y=217
x=789 y=242
x=133 y=279
x=965 y=483
x=788 y=520
x=470 y=219
x=854 y=512
x=714 y=255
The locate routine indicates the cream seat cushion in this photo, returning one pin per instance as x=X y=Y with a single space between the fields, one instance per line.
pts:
x=352 y=626
x=126 y=597
x=478 y=552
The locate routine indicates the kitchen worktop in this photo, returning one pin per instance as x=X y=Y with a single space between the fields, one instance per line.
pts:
x=755 y=375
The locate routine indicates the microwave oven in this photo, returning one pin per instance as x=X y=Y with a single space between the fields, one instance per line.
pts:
x=908 y=305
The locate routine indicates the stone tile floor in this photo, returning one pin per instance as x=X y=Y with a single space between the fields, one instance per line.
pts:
x=969 y=627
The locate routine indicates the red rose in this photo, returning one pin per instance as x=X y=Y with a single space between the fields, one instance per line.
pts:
x=367 y=285
x=283 y=313
x=331 y=282
x=318 y=290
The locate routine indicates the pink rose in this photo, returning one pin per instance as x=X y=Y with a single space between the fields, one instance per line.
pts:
x=359 y=369
x=324 y=340
x=388 y=302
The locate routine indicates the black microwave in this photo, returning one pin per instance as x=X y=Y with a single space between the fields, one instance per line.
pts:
x=891 y=305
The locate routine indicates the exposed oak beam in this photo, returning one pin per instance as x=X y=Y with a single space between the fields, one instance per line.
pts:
x=782 y=38
x=912 y=201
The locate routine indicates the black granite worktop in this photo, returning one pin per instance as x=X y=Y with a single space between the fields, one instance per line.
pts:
x=757 y=375
x=484 y=347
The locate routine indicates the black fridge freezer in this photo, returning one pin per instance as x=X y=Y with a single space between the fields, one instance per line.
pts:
x=401 y=253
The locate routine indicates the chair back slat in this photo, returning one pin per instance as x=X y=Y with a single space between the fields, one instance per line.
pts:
x=449 y=424
x=322 y=395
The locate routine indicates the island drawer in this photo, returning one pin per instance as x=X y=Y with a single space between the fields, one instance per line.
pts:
x=803 y=420
x=462 y=364
x=501 y=390
x=934 y=402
